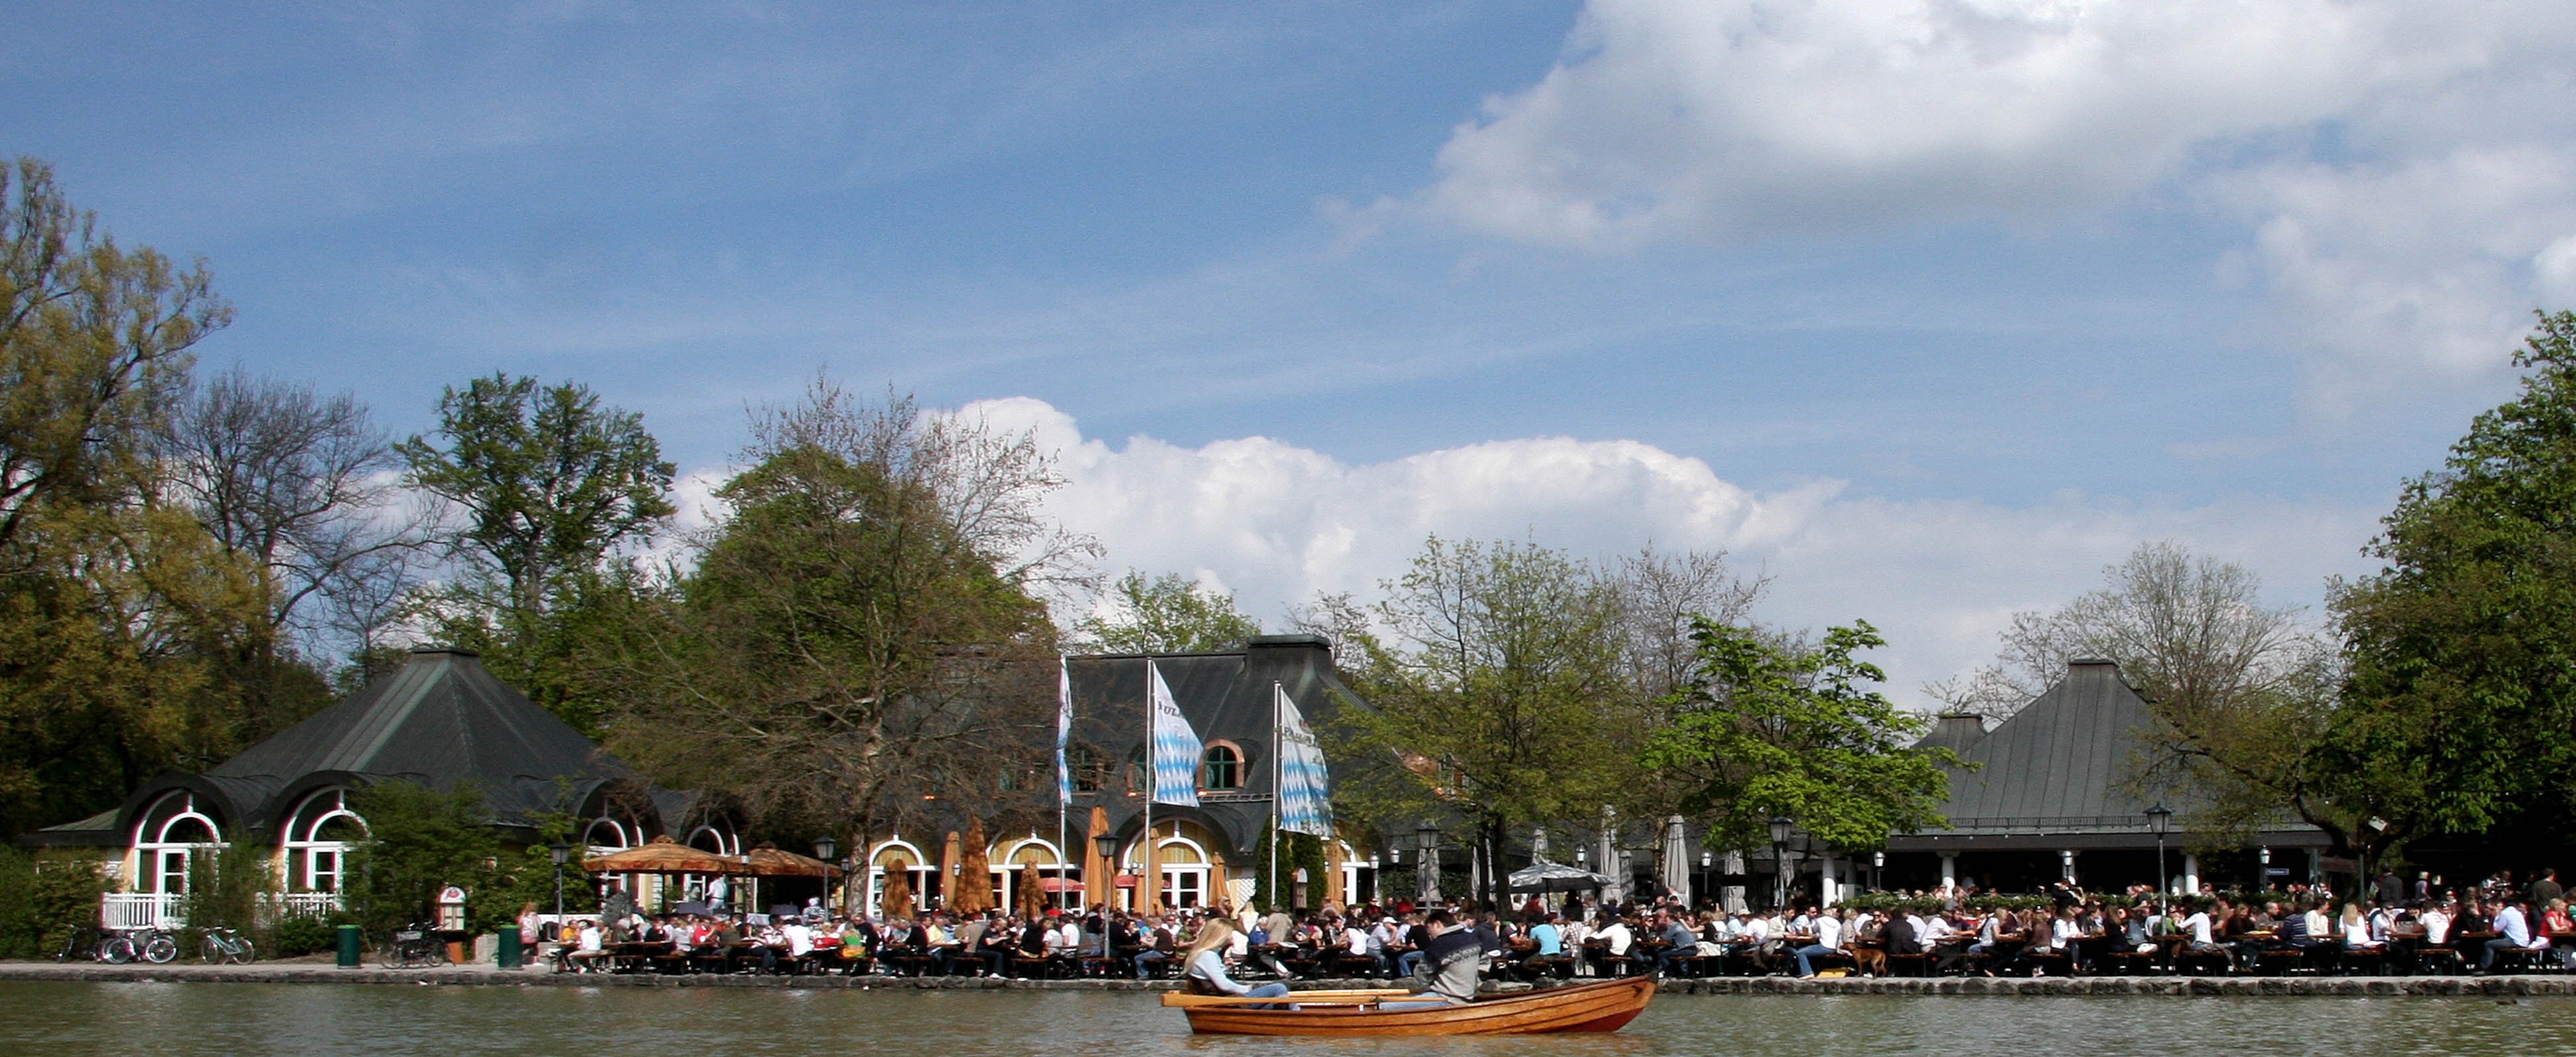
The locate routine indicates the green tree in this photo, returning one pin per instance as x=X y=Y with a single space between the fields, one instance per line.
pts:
x=1168 y=613
x=2462 y=646
x=418 y=841
x=1763 y=729
x=1501 y=690
x=550 y=484
x=108 y=599
x=860 y=630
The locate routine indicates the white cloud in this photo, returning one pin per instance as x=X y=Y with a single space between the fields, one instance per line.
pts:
x=1278 y=523
x=2398 y=168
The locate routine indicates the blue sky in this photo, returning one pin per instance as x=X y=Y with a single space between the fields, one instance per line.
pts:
x=1927 y=309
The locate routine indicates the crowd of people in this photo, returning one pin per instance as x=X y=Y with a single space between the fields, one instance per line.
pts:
x=2495 y=926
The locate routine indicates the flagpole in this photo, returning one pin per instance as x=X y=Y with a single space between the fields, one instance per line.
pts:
x=1063 y=776
x=1153 y=788
x=1277 y=770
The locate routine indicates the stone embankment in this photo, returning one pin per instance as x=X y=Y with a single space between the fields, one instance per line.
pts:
x=2158 y=986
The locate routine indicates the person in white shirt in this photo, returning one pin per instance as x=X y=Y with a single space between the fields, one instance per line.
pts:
x=1829 y=935
x=2437 y=926
x=2513 y=933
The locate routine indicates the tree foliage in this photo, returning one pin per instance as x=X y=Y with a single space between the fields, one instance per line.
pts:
x=1168 y=613
x=1764 y=729
x=859 y=629
x=549 y=483
x=2463 y=645
x=419 y=840
x=1500 y=690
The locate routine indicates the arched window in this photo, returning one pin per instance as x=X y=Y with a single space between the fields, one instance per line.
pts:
x=318 y=836
x=170 y=833
x=1221 y=766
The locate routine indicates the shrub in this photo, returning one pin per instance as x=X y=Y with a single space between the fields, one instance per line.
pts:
x=301 y=934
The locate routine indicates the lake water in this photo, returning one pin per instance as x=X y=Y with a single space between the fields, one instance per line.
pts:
x=293 y=1019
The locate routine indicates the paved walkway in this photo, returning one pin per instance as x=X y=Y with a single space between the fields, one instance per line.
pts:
x=310 y=972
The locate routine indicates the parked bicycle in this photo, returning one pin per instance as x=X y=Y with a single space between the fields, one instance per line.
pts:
x=95 y=944
x=155 y=945
x=222 y=945
x=411 y=947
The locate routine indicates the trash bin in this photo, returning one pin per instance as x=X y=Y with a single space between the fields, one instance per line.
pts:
x=348 y=946
x=508 y=955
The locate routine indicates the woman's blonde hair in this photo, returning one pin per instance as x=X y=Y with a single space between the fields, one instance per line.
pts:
x=1215 y=932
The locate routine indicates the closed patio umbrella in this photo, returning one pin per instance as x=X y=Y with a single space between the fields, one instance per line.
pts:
x=1675 y=856
x=974 y=873
x=948 y=873
x=1096 y=868
x=897 y=901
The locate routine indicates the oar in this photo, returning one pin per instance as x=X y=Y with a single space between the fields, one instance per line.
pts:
x=1327 y=998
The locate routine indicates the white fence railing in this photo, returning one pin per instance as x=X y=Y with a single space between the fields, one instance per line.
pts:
x=139 y=910
x=157 y=910
x=301 y=905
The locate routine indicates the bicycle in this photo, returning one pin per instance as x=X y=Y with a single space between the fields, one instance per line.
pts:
x=87 y=941
x=152 y=944
x=222 y=945
x=411 y=948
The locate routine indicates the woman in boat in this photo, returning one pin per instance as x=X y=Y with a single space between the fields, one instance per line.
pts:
x=1203 y=969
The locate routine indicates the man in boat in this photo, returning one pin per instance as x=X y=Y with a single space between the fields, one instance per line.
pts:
x=1452 y=961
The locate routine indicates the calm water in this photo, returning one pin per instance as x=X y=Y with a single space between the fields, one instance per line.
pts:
x=66 y=1018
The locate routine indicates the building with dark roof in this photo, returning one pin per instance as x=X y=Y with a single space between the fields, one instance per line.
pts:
x=2053 y=793
x=1209 y=853
x=440 y=721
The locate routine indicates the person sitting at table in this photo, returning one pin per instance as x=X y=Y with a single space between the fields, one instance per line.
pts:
x=2356 y=931
x=993 y=947
x=2513 y=933
x=1673 y=940
x=1156 y=943
x=589 y=946
x=1614 y=941
x=940 y=941
x=1064 y=941
x=1828 y=936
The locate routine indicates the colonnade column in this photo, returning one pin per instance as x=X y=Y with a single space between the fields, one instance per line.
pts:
x=1950 y=870
x=2190 y=873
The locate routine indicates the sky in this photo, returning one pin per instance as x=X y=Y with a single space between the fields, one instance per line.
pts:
x=1926 y=309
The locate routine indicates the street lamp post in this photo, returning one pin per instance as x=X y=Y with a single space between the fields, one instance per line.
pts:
x=824 y=846
x=1780 y=860
x=2160 y=819
x=1107 y=845
x=562 y=853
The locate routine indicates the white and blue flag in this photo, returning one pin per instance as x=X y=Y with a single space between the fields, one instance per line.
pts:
x=1305 y=804
x=1176 y=746
x=1063 y=729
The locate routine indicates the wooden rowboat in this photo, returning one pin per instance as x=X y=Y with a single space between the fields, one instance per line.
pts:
x=1603 y=1006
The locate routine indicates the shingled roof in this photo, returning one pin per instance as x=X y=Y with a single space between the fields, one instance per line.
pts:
x=2061 y=767
x=442 y=720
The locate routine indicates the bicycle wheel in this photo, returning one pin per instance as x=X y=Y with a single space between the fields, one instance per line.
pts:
x=211 y=950
x=160 y=949
x=389 y=953
x=244 y=951
x=116 y=950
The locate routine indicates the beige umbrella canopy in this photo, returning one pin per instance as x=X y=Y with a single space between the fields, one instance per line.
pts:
x=768 y=861
x=663 y=855
x=974 y=873
x=897 y=900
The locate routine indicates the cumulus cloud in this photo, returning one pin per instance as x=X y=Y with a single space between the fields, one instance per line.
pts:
x=1277 y=523
x=2397 y=167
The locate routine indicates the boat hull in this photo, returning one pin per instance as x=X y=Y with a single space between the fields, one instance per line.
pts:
x=1605 y=1006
